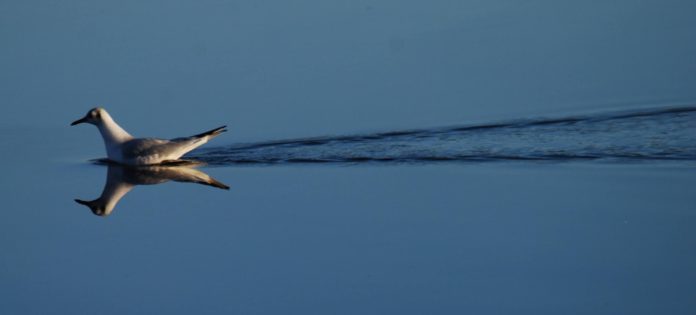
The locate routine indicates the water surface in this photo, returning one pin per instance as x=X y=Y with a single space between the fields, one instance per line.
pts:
x=384 y=157
x=506 y=237
x=638 y=135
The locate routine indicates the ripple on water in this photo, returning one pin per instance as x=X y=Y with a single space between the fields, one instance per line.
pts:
x=659 y=134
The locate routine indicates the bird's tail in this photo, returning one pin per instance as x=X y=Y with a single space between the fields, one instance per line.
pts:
x=212 y=133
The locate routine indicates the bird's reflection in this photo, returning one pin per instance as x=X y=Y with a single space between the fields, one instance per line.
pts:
x=121 y=179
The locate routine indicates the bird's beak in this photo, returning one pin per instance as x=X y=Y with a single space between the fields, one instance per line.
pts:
x=79 y=121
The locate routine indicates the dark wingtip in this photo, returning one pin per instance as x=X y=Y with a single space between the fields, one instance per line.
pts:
x=213 y=132
x=218 y=184
x=82 y=202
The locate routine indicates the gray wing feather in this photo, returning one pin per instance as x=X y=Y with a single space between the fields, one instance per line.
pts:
x=158 y=147
x=154 y=151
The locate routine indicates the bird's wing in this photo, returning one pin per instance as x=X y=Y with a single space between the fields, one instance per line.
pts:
x=154 y=151
x=157 y=149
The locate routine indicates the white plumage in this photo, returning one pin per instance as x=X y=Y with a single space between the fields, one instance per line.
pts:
x=123 y=148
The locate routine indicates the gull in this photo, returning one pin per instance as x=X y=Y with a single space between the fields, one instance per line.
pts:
x=121 y=179
x=124 y=149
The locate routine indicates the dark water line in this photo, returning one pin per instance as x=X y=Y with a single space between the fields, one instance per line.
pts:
x=664 y=134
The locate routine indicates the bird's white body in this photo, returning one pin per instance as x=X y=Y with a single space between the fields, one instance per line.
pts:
x=123 y=148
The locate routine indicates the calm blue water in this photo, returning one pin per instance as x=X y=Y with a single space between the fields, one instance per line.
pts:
x=384 y=157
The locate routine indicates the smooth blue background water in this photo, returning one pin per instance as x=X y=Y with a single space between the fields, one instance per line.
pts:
x=490 y=238
x=276 y=69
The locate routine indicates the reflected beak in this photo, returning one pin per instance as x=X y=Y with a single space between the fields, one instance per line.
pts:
x=79 y=121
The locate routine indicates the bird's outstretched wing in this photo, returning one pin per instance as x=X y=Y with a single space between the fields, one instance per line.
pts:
x=155 y=151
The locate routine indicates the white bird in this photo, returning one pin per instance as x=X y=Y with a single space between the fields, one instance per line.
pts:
x=123 y=148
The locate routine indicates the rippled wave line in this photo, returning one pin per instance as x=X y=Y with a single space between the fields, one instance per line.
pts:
x=657 y=134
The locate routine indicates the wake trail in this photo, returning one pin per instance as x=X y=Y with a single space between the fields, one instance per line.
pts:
x=662 y=134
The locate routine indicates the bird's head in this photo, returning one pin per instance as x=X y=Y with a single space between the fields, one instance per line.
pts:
x=94 y=116
x=98 y=206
